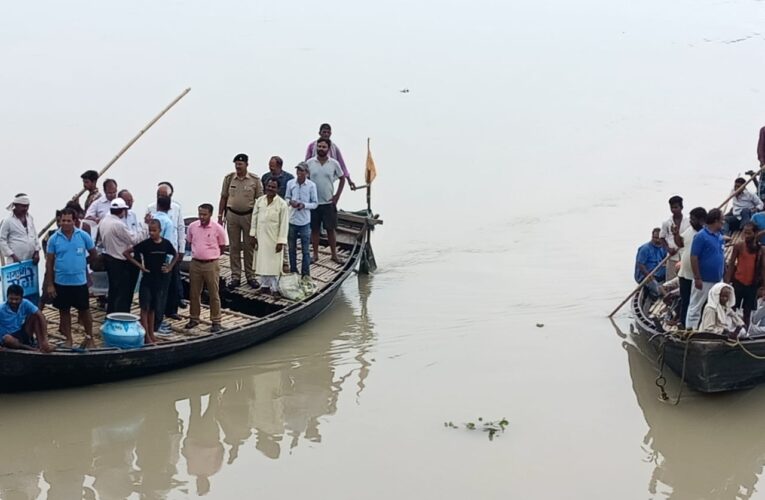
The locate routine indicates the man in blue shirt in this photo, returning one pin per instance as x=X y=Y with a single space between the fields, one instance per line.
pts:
x=708 y=264
x=66 y=275
x=21 y=322
x=649 y=256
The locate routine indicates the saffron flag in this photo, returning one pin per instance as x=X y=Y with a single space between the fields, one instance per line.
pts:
x=371 y=171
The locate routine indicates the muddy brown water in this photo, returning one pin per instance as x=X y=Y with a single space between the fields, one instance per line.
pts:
x=534 y=151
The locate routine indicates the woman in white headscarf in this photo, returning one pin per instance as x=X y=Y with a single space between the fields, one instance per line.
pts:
x=718 y=315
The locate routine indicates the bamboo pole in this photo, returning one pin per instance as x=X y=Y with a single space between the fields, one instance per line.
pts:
x=124 y=149
x=664 y=261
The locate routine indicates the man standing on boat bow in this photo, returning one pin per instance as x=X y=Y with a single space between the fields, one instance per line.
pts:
x=237 y=199
x=324 y=171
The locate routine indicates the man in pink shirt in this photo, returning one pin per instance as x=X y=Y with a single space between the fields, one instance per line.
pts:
x=208 y=241
x=325 y=132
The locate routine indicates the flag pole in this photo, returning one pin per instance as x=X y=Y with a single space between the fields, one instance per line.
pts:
x=369 y=189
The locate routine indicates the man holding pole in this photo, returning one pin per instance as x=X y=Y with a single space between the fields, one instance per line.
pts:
x=90 y=185
x=649 y=256
x=325 y=132
x=743 y=205
x=324 y=171
x=237 y=200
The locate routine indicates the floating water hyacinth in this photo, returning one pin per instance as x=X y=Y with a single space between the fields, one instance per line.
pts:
x=490 y=426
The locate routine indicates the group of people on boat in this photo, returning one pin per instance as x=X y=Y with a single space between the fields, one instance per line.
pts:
x=260 y=219
x=706 y=291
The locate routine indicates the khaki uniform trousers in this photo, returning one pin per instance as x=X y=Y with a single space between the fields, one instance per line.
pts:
x=238 y=228
x=204 y=273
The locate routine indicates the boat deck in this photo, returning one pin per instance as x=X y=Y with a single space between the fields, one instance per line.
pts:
x=322 y=274
x=231 y=320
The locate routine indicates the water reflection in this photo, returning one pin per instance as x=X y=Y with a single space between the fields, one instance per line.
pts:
x=113 y=441
x=709 y=446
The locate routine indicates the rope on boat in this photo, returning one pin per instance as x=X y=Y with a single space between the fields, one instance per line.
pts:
x=747 y=351
x=661 y=381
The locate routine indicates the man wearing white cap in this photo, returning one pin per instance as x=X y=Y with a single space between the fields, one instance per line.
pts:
x=18 y=236
x=116 y=238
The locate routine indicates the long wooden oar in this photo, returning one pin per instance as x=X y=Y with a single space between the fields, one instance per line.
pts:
x=664 y=261
x=124 y=149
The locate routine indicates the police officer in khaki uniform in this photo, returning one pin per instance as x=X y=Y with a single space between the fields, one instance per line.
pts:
x=237 y=198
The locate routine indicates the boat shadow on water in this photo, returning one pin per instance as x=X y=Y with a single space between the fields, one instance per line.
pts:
x=708 y=446
x=173 y=432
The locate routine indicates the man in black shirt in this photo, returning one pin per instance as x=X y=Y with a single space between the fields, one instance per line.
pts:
x=157 y=260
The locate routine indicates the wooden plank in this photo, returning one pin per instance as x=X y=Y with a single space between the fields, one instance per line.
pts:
x=229 y=319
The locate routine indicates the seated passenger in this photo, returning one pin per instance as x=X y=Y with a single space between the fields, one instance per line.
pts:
x=22 y=325
x=757 y=322
x=743 y=205
x=648 y=257
x=718 y=316
x=670 y=292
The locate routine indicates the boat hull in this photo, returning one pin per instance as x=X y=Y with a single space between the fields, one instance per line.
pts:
x=26 y=370
x=708 y=363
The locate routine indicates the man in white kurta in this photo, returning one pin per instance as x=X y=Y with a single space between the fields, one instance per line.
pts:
x=18 y=236
x=269 y=228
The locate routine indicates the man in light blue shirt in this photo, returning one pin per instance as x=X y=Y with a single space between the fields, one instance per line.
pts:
x=66 y=275
x=301 y=196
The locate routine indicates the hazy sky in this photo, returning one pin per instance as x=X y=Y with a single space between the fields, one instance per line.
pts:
x=530 y=97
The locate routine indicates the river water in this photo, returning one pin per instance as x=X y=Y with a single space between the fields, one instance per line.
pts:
x=534 y=152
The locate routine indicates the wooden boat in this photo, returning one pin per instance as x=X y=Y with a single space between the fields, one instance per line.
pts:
x=707 y=362
x=248 y=319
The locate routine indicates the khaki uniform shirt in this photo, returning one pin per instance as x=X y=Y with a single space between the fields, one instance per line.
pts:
x=241 y=193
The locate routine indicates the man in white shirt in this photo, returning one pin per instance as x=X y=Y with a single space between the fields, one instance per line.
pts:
x=677 y=221
x=683 y=241
x=116 y=238
x=138 y=231
x=101 y=207
x=18 y=236
x=743 y=205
